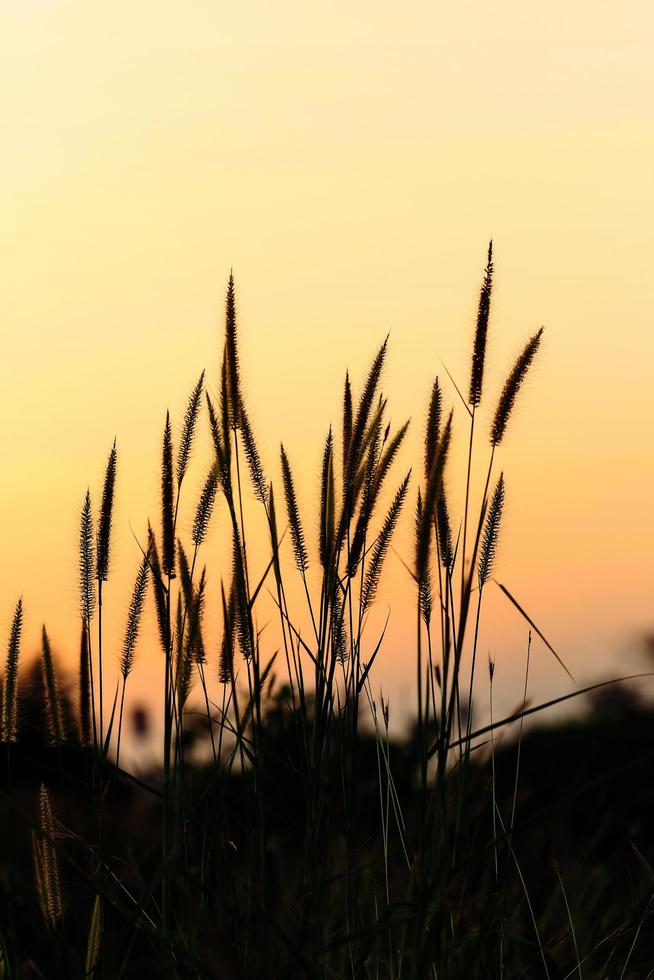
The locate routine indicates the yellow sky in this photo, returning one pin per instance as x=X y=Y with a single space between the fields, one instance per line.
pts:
x=350 y=161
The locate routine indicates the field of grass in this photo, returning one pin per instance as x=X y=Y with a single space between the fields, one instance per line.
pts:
x=286 y=833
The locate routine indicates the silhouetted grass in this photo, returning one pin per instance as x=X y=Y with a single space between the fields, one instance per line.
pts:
x=285 y=832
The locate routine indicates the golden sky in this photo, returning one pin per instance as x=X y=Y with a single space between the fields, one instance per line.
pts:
x=350 y=161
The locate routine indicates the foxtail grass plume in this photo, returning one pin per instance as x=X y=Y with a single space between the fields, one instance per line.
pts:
x=86 y=561
x=429 y=505
x=365 y=481
x=134 y=617
x=160 y=592
x=46 y=864
x=191 y=647
x=167 y=503
x=274 y=538
x=389 y=453
x=297 y=532
x=242 y=620
x=327 y=503
x=481 y=332
x=188 y=430
x=432 y=429
x=424 y=579
x=194 y=647
x=205 y=507
x=444 y=531
x=511 y=388
x=253 y=458
x=231 y=356
x=491 y=533
x=179 y=644
x=226 y=661
x=380 y=548
x=338 y=627
x=222 y=459
x=53 y=704
x=105 y=518
x=10 y=686
x=360 y=426
x=184 y=573
x=347 y=426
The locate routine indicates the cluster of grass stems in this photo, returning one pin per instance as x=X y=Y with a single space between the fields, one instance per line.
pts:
x=400 y=882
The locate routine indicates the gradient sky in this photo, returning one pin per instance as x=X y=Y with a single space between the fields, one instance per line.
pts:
x=350 y=161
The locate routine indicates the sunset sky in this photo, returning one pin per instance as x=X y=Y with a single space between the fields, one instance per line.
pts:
x=350 y=161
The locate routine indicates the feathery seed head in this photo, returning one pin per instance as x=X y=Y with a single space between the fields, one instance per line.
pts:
x=188 y=429
x=46 y=864
x=231 y=365
x=347 y=426
x=432 y=429
x=134 y=617
x=53 y=706
x=444 y=531
x=511 y=388
x=167 y=503
x=253 y=458
x=491 y=533
x=432 y=490
x=481 y=332
x=205 y=507
x=297 y=532
x=86 y=561
x=380 y=549
x=327 y=503
x=10 y=686
x=106 y=513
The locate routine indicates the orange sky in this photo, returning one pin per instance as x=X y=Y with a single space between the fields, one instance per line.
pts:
x=350 y=162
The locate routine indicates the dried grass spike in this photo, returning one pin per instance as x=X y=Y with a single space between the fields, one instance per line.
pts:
x=188 y=429
x=444 y=531
x=365 y=406
x=160 y=592
x=511 y=388
x=433 y=427
x=337 y=627
x=86 y=561
x=481 y=332
x=431 y=496
x=134 y=617
x=205 y=507
x=226 y=662
x=380 y=549
x=47 y=870
x=424 y=581
x=491 y=533
x=297 y=533
x=167 y=503
x=104 y=521
x=231 y=356
x=347 y=426
x=53 y=705
x=389 y=455
x=253 y=458
x=327 y=503
x=242 y=620
x=222 y=461
x=10 y=686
